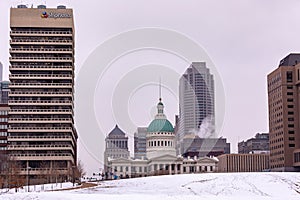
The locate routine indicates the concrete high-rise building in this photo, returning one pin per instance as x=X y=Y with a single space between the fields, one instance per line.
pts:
x=41 y=134
x=3 y=128
x=256 y=145
x=196 y=103
x=283 y=101
x=140 y=143
x=4 y=90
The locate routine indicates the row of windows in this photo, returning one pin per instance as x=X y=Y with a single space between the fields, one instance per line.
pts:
x=3 y=133
x=3 y=112
x=3 y=141
x=160 y=143
x=3 y=119
x=3 y=126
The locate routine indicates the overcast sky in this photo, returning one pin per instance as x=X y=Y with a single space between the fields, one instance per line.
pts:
x=245 y=39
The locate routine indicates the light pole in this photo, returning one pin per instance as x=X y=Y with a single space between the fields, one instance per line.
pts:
x=28 y=168
x=73 y=168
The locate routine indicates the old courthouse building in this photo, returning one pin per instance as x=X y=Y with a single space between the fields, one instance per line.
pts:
x=161 y=155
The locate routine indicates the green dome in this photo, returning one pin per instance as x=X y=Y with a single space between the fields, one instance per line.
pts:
x=160 y=125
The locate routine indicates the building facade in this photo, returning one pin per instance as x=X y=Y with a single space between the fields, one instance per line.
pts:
x=283 y=101
x=3 y=128
x=196 y=103
x=258 y=144
x=140 y=143
x=4 y=90
x=193 y=145
x=243 y=162
x=161 y=158
x=116 y=146
x=41 y=133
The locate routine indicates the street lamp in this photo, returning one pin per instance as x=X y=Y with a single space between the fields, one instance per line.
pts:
x=28 y=168
x=73 y=169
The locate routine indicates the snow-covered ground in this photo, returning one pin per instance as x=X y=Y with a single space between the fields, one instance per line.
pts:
x=233 y=186
x=39 y=188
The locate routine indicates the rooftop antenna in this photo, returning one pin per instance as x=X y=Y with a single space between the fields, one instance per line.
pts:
x=159 y=88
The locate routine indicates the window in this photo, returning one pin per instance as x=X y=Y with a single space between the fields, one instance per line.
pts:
x=290 y=113
x=291 y=119
x=290 y=93
x=289 y=87
x=290 y=100
x=289 y=76
x=291 y=145
x=291 y=125
x=290 y=106
x=291 y=138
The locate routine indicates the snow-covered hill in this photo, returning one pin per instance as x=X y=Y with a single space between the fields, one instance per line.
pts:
x=233 y=186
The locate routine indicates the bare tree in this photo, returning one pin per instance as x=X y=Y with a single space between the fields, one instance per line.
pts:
x=79 y=171
x=3 y=169
x=14 y=177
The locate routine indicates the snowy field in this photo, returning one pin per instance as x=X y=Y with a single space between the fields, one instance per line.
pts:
x=233 y=186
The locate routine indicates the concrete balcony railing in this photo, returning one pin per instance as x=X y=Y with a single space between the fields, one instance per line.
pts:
x=40 y=120
x=33 y=94
x=40 y=147
x=41 y=139
x=41 y=42
x=41 y=111
x=44 y=171
x=39 y=67
x=39 y=33
x=40 y=76
x=57 y=156
x=41 y=59
x=40 y=85
x=41 y=102
x=10 y=138
x=41 y=50
x=39 y=129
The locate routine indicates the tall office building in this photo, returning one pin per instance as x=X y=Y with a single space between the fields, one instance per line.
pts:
x=283 y=101
x=140 y=143
x=41 y=134
x=4 y=90
x=196 y=103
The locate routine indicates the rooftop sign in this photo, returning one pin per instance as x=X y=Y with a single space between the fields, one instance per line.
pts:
x=55 y=15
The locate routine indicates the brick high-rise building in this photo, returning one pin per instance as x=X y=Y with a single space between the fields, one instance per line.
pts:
x=41 y=134
x=283 y=100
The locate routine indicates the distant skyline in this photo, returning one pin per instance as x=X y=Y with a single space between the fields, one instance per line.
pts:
x=245 y=39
